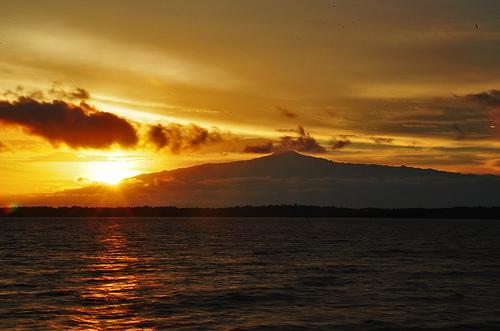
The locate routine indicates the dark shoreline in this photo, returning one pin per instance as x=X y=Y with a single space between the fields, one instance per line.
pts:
x=254 y=211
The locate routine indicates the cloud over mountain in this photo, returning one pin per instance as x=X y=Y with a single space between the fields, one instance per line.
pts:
x=338 y=144
x=265 y=148
x=302 y=142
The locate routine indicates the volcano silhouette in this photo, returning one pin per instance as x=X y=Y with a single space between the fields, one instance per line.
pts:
x=291 y=178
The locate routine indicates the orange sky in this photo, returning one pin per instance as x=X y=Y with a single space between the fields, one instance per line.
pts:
x=97 y=91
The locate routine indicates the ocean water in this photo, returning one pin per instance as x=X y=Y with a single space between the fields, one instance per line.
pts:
x=249 y=274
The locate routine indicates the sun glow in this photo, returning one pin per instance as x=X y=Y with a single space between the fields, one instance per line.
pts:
x=111 y=173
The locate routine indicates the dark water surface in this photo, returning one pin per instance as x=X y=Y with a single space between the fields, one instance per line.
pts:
x=249 y=274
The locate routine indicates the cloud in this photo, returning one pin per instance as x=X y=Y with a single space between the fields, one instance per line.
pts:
x=259 y=149
x=491 y=100
x=303 y=142
x=382 y=140
x=75 y=94
x=83 y=181
x=178 y=137
x=56 y=92
x=54 y=116
x=58 y=121
x=3 y=147
x=286 y=130
x=286 y=112
x=422 y=117
x=338 y=144
x=157 y=136
x=488 y=98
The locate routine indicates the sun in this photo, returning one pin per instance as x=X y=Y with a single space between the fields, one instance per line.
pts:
x=110 y=172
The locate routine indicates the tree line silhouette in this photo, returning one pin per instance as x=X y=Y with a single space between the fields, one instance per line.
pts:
x=253 y=211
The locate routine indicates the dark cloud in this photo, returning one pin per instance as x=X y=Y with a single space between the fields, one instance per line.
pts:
x=78 y=126
x=60 y=120
x=157 y=136
x=478 y=114
x=286 y=112
x=178 y=137
x=491 y=100
x=339 y=143
x=488 y=98
x=198 y=136
x=259 y=149
x=423 y=117
x=302 y=142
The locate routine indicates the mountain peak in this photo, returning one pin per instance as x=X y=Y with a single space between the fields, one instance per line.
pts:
x=289 y=154
x=289 y=158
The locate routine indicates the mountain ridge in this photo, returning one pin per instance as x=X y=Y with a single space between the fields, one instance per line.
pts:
x=289 y=178
x=287 y=157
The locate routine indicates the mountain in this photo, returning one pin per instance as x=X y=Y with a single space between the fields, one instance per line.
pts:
x=290 y=164
x=293 y=178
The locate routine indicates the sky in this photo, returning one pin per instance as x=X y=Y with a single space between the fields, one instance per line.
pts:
x=96 y=91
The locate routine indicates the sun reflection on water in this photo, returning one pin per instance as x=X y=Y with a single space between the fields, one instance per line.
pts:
x=109 y=291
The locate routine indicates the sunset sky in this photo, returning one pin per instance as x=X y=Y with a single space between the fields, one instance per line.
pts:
x=96 y=91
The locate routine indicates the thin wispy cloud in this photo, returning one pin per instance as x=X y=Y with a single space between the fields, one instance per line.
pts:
x=286 y=112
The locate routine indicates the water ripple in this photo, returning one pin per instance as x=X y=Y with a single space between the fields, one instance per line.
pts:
x=249 y=274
